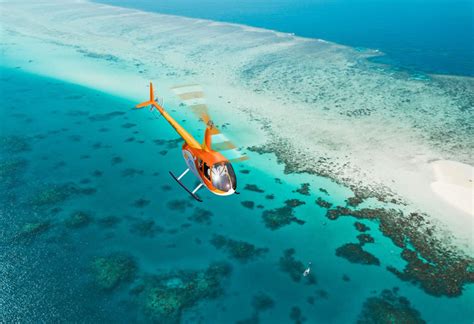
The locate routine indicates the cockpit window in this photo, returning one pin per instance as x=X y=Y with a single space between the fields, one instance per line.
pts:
x=223 y=176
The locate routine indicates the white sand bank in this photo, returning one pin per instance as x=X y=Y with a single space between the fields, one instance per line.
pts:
x=455 y=184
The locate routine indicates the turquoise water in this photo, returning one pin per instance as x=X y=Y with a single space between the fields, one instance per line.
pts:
x=65 y=136
x=429 y=36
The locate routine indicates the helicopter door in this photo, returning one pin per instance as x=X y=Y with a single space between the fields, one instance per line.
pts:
x=206 y=171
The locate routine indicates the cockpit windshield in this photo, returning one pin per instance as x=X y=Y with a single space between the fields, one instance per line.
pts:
x=223 y=176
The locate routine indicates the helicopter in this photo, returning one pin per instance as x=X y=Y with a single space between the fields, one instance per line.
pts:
x=210 y=161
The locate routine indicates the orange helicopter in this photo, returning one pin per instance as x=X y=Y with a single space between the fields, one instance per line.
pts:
x=210 y=161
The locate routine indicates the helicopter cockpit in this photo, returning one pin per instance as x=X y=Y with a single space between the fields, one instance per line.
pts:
x=223 y=176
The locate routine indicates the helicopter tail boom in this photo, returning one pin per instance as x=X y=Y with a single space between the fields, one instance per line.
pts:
x=179 y=129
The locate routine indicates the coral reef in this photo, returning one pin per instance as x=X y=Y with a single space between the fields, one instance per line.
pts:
x=201 y=216
x=361 y=227
x=113 y=270
x=355 y=254
x=11 y=170
x=57 y=193
x=78 y=219
x=31 y=230
x=248 y=204
x=389 y=308
x=146 y=228
x=295 y=268
x=323 y=203
x=14 y=144
x=279 y=217
x=116 y=160
x=170 y=144
x=262 y=302
x=178 y=205
x=130 y=172
x=304 y=189
x=105 y=117
x=165 y=297
x=239 y=250
x=296 y=315
x=108 y=221
x=253 y=187
x=294 y=203
x=140 y=203
x=365 y=238
x=323 y=191
x=436 y=267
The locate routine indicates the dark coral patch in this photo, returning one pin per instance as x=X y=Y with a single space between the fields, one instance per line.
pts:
x=170 y=144
x=33 y=229
x=294 y=203
x=245 y=171
x=178 y=205
x=128 y=125
x=294 y=268
x=248 y=204
x=78 y=219
x=324 y=191
x=296 y=315
x=389 y=308
x=146 y=228
x=270 y=197
x=14 y=144
x=323 y=203
x=239 y=250
x=97 y=173
x=365 y=238
x=113 y=270
x=354 y=201
x=304 y=189
x=165 y=297
x=116 y=160
x=105 y=117
x=361 y=227
x=140 y=203
x=355 y=254
x=323 y=294
x=166 y=187
x=130 y=172
x=54 y=194
x=201 y=216
x=11 y=171
x=75 y=138
x=108 y=221
x=262 y=302
x=254 y=188
x=279 y=217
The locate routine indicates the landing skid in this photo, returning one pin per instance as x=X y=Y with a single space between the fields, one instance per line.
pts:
x=192 y=193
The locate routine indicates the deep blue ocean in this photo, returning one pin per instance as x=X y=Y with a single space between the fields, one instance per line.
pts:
x=435 y=36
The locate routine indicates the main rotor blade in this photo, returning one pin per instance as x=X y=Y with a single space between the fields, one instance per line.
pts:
x=192 y=95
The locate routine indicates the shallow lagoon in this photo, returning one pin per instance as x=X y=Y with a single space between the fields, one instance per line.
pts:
x=71 y=136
